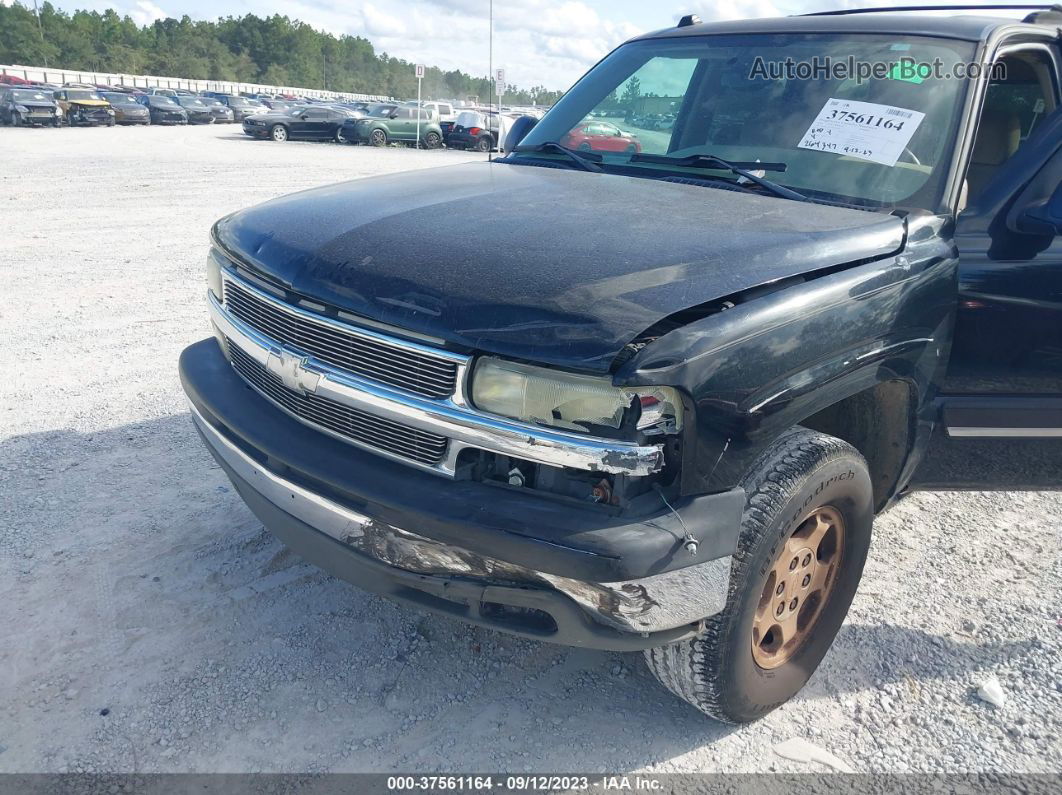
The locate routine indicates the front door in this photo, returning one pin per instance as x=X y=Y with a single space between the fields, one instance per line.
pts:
x=311 y=123
x=1001 y=400
x=403 y=126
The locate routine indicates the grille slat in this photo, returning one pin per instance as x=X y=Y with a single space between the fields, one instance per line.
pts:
x=271 y=329
x=377 y=432
x=370 y=358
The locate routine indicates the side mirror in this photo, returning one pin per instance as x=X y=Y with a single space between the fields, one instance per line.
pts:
x=1043 y=217
x=393 y=114
x=518 y=131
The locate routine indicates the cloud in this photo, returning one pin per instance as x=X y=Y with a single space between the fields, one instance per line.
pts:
x=144 y=12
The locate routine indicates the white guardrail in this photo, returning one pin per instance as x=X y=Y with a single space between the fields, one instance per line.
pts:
x=47 y=74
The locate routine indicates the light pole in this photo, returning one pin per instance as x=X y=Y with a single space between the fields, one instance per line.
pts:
x=40 y=29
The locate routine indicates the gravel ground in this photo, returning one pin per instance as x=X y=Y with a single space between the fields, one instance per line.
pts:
x=149 y=623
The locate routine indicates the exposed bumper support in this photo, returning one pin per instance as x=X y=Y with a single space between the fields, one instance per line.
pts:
x=626 y=615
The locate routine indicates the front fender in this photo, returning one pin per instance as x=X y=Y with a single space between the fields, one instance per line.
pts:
x=757 y=369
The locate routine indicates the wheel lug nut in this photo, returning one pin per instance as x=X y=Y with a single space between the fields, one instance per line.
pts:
x=780 y=589
x=807 y=559
x=781 y=609
x=793 y=563
x=793 y=604
x=806 y=581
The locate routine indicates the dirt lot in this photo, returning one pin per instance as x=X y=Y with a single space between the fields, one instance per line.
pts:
x=148 y=623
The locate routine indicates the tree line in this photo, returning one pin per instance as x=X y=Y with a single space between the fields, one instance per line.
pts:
x=272 y=50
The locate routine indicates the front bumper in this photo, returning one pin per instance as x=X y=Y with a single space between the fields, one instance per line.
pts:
x=537 y=568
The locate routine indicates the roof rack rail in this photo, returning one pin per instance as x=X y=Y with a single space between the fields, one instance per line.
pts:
x=972 y=7
x=689 y=19
x=1052 y=14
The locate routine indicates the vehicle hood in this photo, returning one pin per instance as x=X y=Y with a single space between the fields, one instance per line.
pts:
x=552 y=265
x=90 y=103
x=35 y=103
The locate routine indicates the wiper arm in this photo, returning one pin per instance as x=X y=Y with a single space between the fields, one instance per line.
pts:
x=741 y=168
x=585 y=162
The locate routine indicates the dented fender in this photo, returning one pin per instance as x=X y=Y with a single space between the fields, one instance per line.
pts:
x=756 y=369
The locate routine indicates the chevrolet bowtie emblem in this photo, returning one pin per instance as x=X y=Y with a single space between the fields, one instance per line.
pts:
x=288 y=367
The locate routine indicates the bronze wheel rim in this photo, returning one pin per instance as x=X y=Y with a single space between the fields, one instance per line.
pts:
x=799 y=584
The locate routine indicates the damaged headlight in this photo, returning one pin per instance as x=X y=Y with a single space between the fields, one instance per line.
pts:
x=570 y=401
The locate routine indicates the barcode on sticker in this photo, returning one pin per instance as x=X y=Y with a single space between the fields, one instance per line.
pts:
x=906 y=114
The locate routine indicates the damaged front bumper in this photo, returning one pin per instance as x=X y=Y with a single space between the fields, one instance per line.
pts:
x=457 y=547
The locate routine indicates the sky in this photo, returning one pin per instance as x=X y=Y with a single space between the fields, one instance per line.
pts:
x=538 y=42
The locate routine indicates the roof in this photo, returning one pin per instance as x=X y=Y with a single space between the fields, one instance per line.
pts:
x=959 y=26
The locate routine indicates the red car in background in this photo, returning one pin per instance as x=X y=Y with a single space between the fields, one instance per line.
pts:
x=600 y=136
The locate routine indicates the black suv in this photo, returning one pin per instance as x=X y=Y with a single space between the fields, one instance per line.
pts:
x=653 y=400
x=28 y=106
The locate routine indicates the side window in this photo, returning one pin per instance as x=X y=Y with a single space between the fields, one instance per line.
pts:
x=1023 y=91
x=445 y=110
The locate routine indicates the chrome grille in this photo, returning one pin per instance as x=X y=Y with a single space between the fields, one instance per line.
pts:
x=363 y=355
x=375 y=432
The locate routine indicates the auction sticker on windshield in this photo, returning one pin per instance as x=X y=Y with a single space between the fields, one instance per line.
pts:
x=865 y=130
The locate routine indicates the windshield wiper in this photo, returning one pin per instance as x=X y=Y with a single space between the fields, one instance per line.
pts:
x=585 y=161
x=741 y=168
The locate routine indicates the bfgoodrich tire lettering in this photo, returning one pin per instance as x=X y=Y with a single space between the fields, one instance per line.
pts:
x=716 y=671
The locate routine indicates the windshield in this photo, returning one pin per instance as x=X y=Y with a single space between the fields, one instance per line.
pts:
x=191 y=102
x=872 y=141
x=238 y=102
x=157 y=99
x=83 y=95
x=380 y=111
x=30 y=96
x=119 y=99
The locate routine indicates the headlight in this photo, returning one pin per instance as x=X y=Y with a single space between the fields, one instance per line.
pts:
x=21 y=108
x=571 y=401
x=213 y=268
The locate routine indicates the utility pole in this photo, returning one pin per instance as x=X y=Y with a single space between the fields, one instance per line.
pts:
x=40 y=29
x=490 y=65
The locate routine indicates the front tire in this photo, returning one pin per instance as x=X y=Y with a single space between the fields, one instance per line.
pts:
x=339 y=138
x=810 y=501
x=432 y=140
x=483 y=144
x=279 y=133
x=378 y=138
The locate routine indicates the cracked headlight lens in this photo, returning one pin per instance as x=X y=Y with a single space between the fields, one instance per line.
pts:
x=568 y=400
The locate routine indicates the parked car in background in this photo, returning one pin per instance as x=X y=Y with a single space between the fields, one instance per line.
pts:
x=384 y=124
x=83 y=106
x=28 y=107
x=126 y=109
x=601 y=136
x=161 y=92
x=221 y=112
x=197 y=110
x=164 y=110
x=474 y=129
x=305 y=122
x=444 y=111
x=241 y=107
